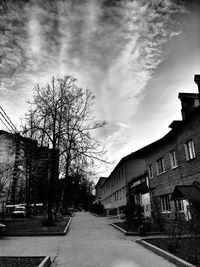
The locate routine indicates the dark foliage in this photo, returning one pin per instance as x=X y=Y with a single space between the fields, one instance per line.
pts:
x=97 y=208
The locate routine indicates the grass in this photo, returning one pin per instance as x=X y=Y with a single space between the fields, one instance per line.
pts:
x=34 y=225
x=20 y=261
x=185 y=250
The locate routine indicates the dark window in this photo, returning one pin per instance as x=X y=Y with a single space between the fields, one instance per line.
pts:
x=165 y=203
x=179 y=205
x=189 y=150
x=150 y=171
x=160 y=165
x=173 y=160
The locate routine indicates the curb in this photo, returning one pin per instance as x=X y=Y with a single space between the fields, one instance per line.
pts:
x=94 y=214
x=168 y=256
x=46 y=262
x=118 y=228
x=134 y=233
x=67 y=226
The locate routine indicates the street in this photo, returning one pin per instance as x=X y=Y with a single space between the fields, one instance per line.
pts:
x=90 y=242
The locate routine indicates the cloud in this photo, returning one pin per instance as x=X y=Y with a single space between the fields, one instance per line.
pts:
x=172 y=34
x=120 y=39
x=112 y=47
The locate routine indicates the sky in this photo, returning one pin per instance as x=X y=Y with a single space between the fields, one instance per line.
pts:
x=134 y=55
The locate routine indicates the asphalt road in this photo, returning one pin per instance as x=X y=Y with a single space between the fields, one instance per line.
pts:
x=90 y=242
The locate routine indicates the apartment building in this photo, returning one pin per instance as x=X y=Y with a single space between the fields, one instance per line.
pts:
x=22 y=165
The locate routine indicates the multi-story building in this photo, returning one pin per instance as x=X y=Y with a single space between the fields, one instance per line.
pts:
x=15 y=154
x=115 y=188
x=24 y=169
x=173 y=161
x=167 y=171
x=98 y=189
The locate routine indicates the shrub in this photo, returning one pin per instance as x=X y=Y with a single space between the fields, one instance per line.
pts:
x=97 y=208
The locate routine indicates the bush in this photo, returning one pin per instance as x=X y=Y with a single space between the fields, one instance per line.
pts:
x=97 y=208
x=133 y=214
x=142 y=230
x=129 y=215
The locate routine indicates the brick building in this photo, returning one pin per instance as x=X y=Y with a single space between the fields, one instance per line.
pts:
x=174 y=160
x=165 y=173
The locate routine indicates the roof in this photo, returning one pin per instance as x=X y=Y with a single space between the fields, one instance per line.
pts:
x=190 y=192
x=188 y=95
x=101 y=180
x=175 y=125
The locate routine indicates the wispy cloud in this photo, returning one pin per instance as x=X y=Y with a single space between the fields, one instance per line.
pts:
x=112 y=47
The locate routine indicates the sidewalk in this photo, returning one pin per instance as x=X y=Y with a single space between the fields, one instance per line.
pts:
x=92 y=242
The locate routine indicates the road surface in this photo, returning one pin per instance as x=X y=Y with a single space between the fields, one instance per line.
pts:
x=92 y=242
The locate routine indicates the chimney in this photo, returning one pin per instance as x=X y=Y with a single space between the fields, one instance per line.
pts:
x=197 y=81
x=189 y=102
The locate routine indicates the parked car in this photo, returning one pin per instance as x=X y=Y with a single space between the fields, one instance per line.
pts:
x=19 y=212
x=2 y=228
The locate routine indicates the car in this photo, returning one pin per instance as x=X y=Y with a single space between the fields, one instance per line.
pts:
x=2 y=228
x=19 y=212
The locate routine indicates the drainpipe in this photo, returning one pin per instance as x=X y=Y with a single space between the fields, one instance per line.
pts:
x=197 y=81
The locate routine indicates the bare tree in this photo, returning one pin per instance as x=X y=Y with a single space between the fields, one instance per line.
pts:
x=61 y=118
x=6 y=170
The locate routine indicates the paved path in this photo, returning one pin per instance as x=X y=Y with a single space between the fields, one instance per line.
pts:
x=92 y=242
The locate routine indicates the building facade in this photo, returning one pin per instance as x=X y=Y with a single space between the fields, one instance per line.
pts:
x=163 y=177
x=174 y=161
x=115 y=190
x=98 y=189
x=24 y=169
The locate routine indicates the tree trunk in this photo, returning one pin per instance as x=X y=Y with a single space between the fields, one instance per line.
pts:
x=51 y=184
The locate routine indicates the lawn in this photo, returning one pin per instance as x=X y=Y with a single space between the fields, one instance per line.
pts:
x=20 y=261
x=185 y=250
x=34 y=225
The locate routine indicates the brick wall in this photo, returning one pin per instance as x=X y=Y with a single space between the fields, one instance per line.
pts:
x=187 y=171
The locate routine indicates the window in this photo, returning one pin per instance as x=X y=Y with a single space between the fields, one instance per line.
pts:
x=150 y=171
x=160 y=166
x=173 y=160
x=117 y=195
x=165 y=203
x=189 y=150
x=179 y=205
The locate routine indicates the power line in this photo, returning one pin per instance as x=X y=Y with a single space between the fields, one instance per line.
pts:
x=5 y=124
x=7 y=120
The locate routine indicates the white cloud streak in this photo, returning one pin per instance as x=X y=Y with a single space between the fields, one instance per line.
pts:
x=112 y=47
